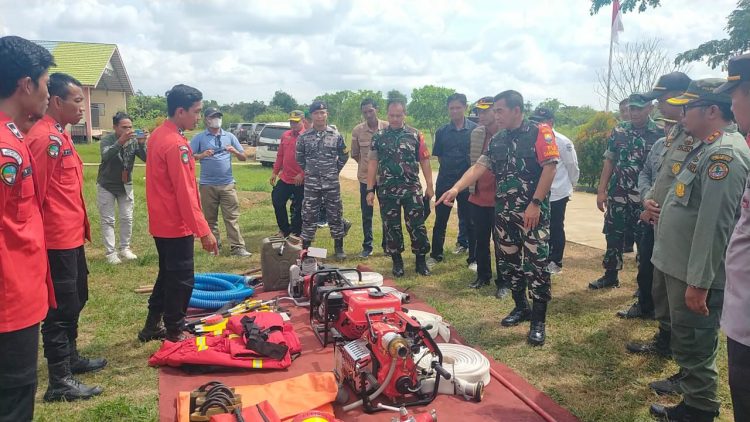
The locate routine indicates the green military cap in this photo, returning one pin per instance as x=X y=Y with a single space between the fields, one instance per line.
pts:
x=702 y=90
x=638 y=100
x=739 y=71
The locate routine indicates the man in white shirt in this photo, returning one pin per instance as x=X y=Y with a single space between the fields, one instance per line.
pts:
x=566 y=178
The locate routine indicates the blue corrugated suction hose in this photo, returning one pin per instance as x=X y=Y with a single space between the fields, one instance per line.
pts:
x=214 y=290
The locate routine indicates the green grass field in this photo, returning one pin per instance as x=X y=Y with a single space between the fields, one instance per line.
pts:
x=583 y=366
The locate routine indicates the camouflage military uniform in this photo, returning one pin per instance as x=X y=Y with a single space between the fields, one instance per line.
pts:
x=517 y=157
x=627 y=148
x=319 y=153
x=397 y=152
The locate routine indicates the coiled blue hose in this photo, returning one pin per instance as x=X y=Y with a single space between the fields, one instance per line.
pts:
x=214 y=290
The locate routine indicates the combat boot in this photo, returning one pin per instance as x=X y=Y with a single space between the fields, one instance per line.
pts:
x=659 y=345
x=80 y=364
x=537 y=333
x=682 y=413
x=608 y=280
x=153 y=329
x=62 y=385
x=669 y=386
x=398 y=265
x=421 y=265
x=338 y=246
x=175 y=335
x=520 y=312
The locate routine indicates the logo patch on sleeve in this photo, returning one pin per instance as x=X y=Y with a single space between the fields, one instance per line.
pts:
x=7 y=152
x=53 y=150
x=9 y=172
x=718 y=170
x=184 y=154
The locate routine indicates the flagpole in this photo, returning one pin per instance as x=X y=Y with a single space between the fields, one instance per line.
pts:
x=609 y=71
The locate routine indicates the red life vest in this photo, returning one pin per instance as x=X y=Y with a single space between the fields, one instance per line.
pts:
x=230 y=347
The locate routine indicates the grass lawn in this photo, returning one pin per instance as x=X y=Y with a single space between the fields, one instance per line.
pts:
x=583 y=366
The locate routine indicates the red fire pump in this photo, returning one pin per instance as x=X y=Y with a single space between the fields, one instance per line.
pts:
x=383 y=362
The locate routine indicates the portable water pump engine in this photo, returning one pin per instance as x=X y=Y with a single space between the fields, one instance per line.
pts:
x=382 y=362
x=339 y=310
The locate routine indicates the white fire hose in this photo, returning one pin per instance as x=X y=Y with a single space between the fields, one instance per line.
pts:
x=470 y=371
x=439 y=327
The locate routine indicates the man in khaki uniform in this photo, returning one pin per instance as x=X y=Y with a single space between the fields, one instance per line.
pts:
x=696 y=219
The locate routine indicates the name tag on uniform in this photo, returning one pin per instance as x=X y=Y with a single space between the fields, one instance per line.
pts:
x=67 y=152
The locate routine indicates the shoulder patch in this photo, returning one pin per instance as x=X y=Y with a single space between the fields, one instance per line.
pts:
x=7 y=152
x=9 y=172
x=53 y=150
x=55 y=139
x=59 y=128
x=184 y=154
x=14 y=130
x=718 y=170
x=721 y=157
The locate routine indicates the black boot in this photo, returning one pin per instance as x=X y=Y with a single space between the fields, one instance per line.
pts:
x=668 y=386
x=398 y=265
x=608 y=280
x=347 y=226
x=175 y=335
x=538 y=317
x=659 y=345
x=422 y=265
x=80 y=364
x=478 y=283
x=153 y=329
x=682 y=413
x=520 y=312
x=62 y=385
x=338 y=246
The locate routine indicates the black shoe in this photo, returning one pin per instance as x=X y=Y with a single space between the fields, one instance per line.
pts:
x=175 y=336
x=604 y=282
x=63 y=387
x=421 y=265
x=153 y=329
x=521 y=312
x=659 y=345
x=635 y=311
x=398 y=265
x=537 y=333
x=338 y=246
x=81 y=365
x=479 y=283
x=502 y=292
x=669 y=386
x=682 y=413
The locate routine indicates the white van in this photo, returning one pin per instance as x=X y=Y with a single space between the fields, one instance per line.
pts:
x=268 y=142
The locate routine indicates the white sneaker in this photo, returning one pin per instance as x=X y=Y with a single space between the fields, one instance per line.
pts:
x=431 y=262
x=553 y=268
x=113 y=259
x=473 y=266
x=127 y=254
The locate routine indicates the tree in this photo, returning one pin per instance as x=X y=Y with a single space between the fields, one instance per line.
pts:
x=718 y=52
x=636 y=68
x=394 y=93
x=284 y=101
x=248 y=111
x=590 y=144
x=272 y=114
x=147 y=111
x=428 y=107
x=715 y=52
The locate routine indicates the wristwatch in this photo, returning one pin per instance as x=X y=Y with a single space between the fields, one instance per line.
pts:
x=370 y=190
x=537 y=202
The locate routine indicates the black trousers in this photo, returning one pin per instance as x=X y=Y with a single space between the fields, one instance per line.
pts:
x=367 y=211
x=442 y=213
x=645 y=277
x=557 y=230
x=175 y=281
x=739 y=373
x=280 y=195
x=18 y=361
x=483 y=220
x=70 y=277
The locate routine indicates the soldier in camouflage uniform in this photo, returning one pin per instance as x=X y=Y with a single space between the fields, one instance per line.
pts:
x=396 y=153
x=627 y=148
x=523 y=155
x=320 y=150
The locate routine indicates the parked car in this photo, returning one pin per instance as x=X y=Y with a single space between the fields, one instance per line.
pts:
x=256 y=133
x=268 y=142
x=243 y=132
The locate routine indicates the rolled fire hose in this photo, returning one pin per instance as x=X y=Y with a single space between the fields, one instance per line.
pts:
x=436 y=321
x=369 y=278
x=467 y=366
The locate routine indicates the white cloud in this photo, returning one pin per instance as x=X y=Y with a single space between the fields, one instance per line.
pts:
x=243 y=50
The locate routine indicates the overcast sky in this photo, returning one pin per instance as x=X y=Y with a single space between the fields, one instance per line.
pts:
x=243 y=50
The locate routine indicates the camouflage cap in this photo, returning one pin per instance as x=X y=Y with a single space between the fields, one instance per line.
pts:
x=703 y=90
x=638 y=100
x=296 y=116
x=738 y=70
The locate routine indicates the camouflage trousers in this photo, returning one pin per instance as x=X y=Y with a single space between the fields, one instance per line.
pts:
x=313 y=200
x=523 y=255
x=619 y=219
x=393 y=235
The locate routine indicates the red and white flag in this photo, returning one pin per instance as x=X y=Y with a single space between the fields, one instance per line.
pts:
x=616 y=20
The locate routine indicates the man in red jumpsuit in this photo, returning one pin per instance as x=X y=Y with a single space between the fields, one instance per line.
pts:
x=59 y=171
x=25 y=286
x=174 y=214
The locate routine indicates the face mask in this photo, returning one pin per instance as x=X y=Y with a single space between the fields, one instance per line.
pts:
x=214 y=123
